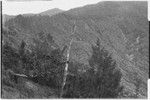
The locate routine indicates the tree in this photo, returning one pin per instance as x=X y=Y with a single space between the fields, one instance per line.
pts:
x=107 y=75
x=9 y=57
x=102 y=80
x=67 y=58
x=47 y=65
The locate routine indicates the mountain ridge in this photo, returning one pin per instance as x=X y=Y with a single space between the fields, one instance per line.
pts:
x=49 y=12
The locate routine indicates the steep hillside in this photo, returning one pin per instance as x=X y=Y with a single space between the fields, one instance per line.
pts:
x=122 y=28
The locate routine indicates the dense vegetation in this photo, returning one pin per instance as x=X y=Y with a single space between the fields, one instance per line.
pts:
x=101 y=80
x=122 y=29
x=39 y=64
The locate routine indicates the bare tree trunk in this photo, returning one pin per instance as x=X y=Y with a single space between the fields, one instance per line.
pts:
x=16 y=74
x=66 y=69
x=67 y=64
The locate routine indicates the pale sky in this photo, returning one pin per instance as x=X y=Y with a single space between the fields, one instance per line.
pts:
x=14 y=8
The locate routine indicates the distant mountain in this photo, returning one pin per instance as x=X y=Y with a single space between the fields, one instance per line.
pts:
x=28 y=14
x=110 y=9
x=122 y=28
x=51 y=12
x=6 y=17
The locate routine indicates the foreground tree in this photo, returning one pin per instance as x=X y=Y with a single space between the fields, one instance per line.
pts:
x=67 y=60
x=102 y=80
x=42 y=64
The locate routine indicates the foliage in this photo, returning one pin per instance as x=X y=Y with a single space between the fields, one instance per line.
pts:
x=39 y=64
x=137 y=81
x=9 y=57
x=102 y=80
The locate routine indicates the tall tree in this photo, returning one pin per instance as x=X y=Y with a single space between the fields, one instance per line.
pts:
x=101 y=80
x=67 y=58
x=108 y=77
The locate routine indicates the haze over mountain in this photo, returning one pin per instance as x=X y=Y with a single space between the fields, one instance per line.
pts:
x=122 y=28
x=51 y=12
x=6 y=17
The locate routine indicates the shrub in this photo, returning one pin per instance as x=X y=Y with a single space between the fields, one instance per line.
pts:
x=40 y=65
x=47 y=66
x=10 y=57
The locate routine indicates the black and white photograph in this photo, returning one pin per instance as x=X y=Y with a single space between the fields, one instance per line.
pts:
x=81 y=49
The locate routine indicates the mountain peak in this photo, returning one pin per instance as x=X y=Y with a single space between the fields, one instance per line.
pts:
x=51 y=12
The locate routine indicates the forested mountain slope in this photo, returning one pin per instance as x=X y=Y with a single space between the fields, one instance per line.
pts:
x=51 y=12
x=122 y=28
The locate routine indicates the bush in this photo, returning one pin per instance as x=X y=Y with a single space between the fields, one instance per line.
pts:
x=102 y=80
x=45 y=68
x=10 y=57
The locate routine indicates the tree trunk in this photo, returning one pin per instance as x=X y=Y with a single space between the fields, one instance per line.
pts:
x=66 y=69
x=67 y=64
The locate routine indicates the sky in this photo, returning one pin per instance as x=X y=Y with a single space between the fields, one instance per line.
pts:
x=14 y=8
